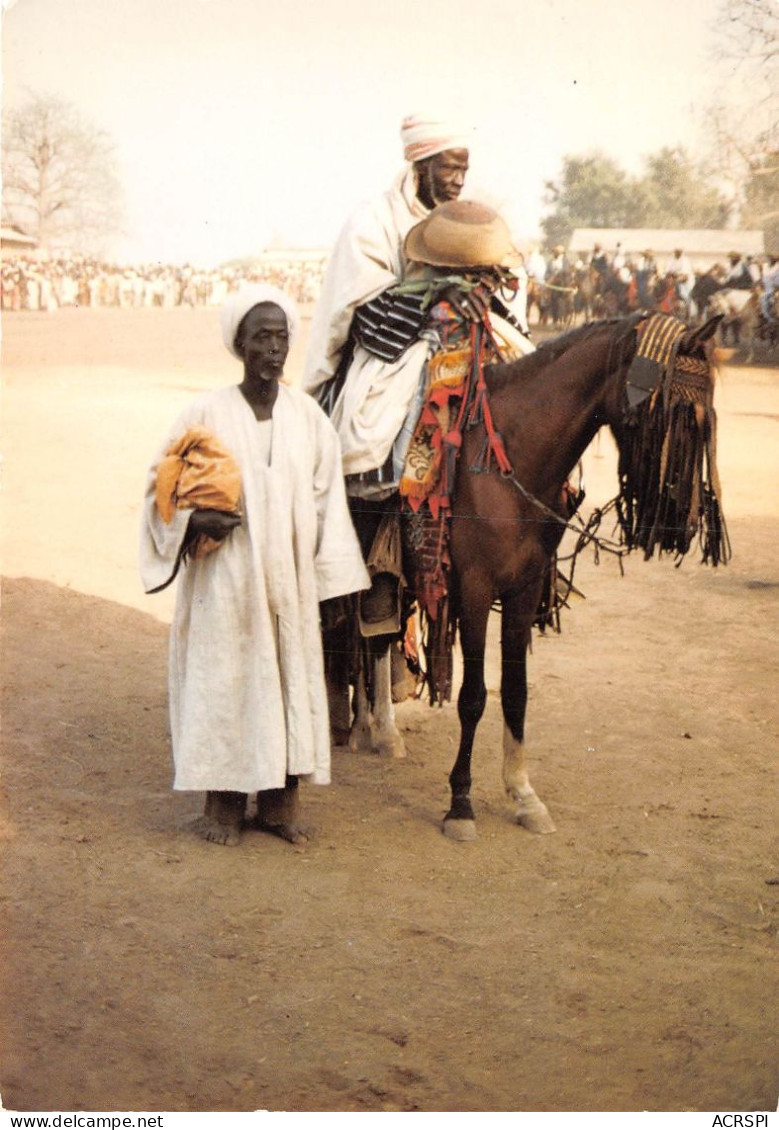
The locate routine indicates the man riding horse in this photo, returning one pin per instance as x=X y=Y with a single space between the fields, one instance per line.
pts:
x=369 y=343
x=365 y=353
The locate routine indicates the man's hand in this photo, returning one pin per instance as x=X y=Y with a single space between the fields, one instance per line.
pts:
x=216 y=524
x=473 y=304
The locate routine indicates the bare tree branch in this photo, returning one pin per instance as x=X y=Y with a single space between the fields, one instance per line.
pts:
x=60 y=182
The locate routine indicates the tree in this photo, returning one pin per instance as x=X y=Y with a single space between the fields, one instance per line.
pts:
x=594 y=192
x=748 y=35
x=676 y=194
x=744 y=124
x=760 y=206
x=59 y=176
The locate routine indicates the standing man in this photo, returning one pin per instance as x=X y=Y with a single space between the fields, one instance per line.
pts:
x=246 y=504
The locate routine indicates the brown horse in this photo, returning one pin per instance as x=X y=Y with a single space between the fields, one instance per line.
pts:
x=505 y=527
x=538 y=295
x=586 y=280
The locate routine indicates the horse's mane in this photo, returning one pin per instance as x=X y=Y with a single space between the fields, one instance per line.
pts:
x=527 y=367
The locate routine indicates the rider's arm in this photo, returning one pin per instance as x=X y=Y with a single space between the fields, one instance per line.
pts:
x=389 y=323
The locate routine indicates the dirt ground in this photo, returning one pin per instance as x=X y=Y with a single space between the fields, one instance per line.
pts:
x=624 y=964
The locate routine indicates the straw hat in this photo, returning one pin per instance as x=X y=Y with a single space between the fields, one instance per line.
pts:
x=460 y=233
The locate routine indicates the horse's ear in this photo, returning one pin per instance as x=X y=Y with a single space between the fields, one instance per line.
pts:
x=703 y=333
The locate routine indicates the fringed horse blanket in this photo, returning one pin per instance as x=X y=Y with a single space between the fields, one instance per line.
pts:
x=669 y=487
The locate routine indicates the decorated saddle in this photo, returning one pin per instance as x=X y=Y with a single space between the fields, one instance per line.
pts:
x=456 y=399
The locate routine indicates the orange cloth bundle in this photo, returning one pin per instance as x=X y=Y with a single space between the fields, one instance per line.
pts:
x=197 y=473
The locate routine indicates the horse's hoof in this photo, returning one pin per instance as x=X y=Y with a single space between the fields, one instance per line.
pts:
x=390 y=747
x=536 y=819
x=360 y=742
x=464 y=831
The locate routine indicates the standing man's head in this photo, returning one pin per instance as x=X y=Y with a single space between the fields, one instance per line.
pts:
x=262 y=341
x=438 y=151
x=259 y=323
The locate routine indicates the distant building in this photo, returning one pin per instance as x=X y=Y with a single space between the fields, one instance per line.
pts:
x=15 y=242
x=703 y=246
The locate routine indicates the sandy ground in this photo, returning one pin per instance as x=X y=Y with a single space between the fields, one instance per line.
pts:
x=623 y=964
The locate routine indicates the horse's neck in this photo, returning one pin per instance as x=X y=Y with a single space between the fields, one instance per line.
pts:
x=570 y=400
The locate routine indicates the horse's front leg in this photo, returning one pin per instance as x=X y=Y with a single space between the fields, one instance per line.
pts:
x=516 y=625
x=459 y=822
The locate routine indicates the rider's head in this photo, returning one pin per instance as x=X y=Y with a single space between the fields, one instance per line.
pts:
x=438 y=150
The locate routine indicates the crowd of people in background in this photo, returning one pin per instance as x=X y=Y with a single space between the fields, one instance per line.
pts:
x=562 y=286
x=33 y=284
x=602 y=284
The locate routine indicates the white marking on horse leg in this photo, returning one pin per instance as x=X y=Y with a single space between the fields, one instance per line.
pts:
x=531 y=812
x=463 y=831
x=387 y=739
x=360 y=733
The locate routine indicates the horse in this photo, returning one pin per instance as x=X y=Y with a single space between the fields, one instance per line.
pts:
x=505 y=527
x=538 y=295
x=668 y=298
x=586 y=280
x=740 y=312
x=615 y=295
x=705 y=286
x=755 y=330
x=561 y=289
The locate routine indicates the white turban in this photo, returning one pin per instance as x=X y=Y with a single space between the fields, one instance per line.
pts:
x=424 y=136
x=242 y=301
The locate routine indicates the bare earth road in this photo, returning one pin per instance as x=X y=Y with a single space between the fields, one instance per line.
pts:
x=625 y=963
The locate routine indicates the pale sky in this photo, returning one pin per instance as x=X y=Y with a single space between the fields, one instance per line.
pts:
x=241 y=122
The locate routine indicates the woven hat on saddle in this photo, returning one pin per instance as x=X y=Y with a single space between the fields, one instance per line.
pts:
x=462 y=251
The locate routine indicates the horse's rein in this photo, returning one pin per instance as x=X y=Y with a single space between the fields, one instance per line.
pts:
x=583 y=531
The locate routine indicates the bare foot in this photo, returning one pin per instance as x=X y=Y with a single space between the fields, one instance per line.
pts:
x=278 y=813
x=289 y=832
x=217 y=833
x=222 y=820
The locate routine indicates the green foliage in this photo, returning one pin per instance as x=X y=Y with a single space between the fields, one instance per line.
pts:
x=677 y=195
x=594 y=192
x=760 y=208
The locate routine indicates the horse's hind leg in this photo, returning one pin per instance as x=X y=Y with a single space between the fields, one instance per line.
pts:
x=374 y=730
x=387 y=739
x=360 y=733
x=531 y=813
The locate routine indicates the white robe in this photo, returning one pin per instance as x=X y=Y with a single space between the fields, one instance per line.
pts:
x=367 y=259
x=248 y=703
x=377 y=395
